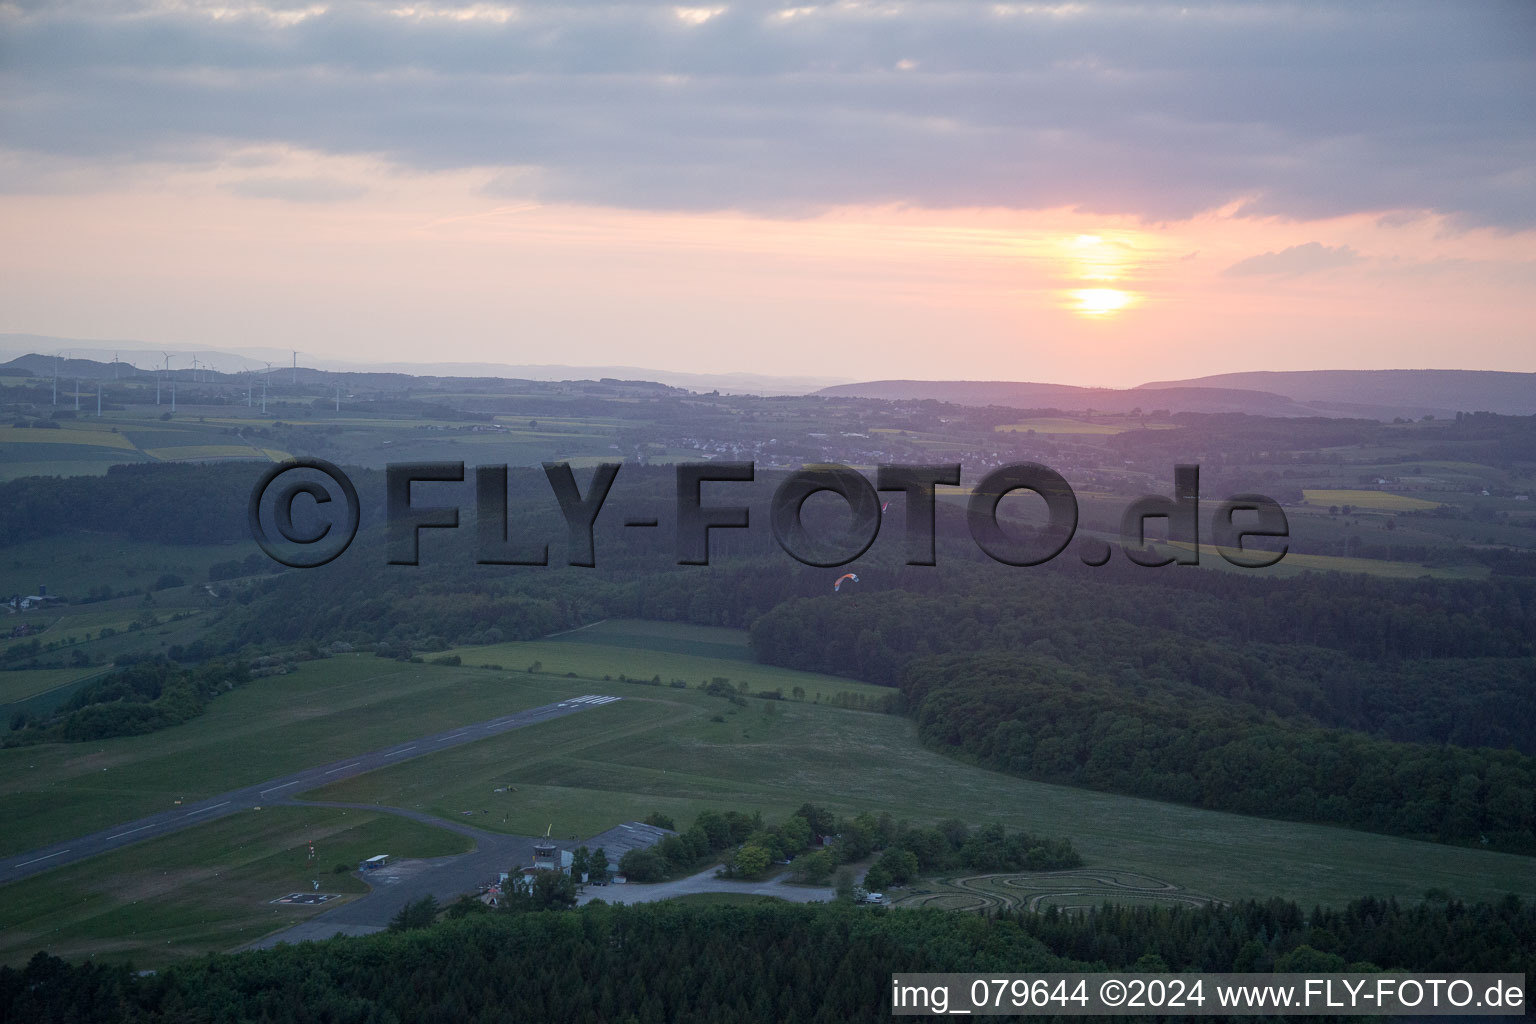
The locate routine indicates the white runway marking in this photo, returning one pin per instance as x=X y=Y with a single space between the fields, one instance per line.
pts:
x=343 y=768
x=130 y=832
x=40 y=859
x=205 y=810
x=285 y=785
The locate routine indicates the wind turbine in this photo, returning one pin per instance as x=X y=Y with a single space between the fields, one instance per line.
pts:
x=77 y=394
x=264 y=389
x=160 y=377
x=55 y=378
x=295 y=366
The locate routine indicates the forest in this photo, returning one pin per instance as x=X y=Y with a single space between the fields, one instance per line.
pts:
x=678 y=963
x=906 y=850
x=153 y=694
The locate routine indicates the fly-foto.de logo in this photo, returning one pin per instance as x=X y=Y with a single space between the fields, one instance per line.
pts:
x=332 y=515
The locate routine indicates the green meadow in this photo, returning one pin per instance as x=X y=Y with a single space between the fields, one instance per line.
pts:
x=660 y=748
x=680 y=751
x=326 y=710
x=208 y=888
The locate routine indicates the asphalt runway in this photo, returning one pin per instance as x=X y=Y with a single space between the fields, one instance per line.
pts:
x=23 y=865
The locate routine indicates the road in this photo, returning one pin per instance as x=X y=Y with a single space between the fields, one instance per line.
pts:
x=405 y=881
x=447 y=878
x=706 y=881
x=277 y=790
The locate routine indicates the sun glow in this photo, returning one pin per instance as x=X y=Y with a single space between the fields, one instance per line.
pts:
x=1100 y=302
x=1098 y=260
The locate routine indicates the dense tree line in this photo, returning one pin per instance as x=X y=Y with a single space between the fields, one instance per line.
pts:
x=907 y=851
x=1437 y=934
x=169 y=503
x=1131 y=637
x=815 y=842
x=677 y=964
x=711 y=833
x=1036 y=717
x=153 y=694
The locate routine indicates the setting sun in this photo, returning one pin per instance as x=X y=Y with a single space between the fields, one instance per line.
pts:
x=1100 y=301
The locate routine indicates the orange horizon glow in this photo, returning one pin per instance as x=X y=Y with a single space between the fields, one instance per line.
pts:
x=430 y=267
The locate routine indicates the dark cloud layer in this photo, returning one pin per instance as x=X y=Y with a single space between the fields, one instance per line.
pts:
x=1299 y=109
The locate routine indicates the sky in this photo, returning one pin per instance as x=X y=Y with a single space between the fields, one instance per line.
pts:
x=1093 y=193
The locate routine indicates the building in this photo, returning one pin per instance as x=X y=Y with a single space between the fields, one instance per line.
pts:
x=549 y=857
x=41 y=599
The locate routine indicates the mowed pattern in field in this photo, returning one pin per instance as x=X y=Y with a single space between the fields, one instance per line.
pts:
x=1040 y=890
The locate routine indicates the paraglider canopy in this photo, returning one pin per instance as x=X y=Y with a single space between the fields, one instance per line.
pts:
x=845 y=576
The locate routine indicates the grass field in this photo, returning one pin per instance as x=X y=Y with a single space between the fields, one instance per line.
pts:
x=192 y=452
x=327 y=709
x=1297 y=562
x=97 y=437
x=1077 y=889
x=1376 y=501
x=208 y=888
x=1067 y=425
x=71 y=565
x=591 y=654
x=26 y=683
x=661 y=749
x=677 y=751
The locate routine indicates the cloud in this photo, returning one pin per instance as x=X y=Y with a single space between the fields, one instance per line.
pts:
x=296 y=190
x=1298 y=259
x=1296 y=110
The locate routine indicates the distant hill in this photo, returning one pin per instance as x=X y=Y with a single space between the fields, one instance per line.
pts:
x=1020 y=395
x=86 y=354
x=1353 y=392
x=70 y=369
x=1366 y=394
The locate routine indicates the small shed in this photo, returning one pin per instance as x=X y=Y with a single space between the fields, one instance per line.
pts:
x=375 y=862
